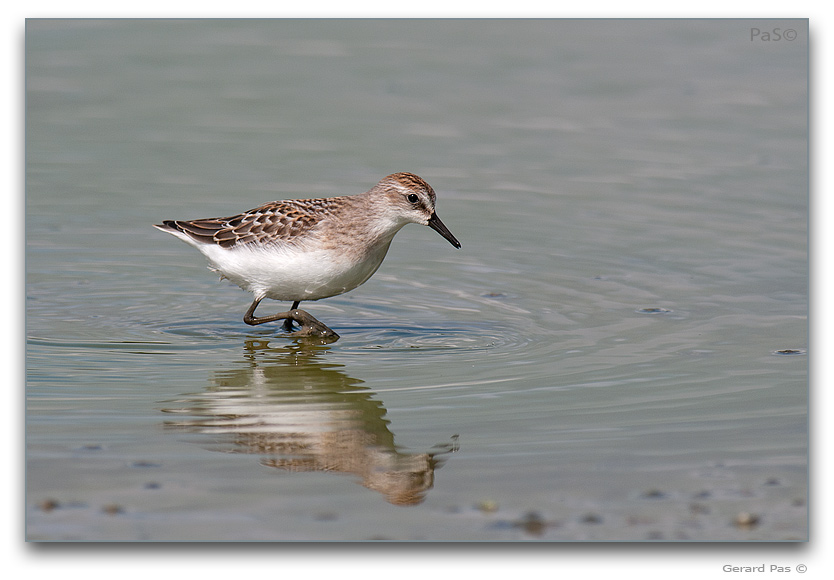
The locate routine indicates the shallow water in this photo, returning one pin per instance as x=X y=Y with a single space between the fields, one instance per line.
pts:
x=618 y=351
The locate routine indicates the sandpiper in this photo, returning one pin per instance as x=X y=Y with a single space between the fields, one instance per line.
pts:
x=309 y=249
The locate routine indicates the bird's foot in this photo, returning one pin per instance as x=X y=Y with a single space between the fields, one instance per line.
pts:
x=309 y=326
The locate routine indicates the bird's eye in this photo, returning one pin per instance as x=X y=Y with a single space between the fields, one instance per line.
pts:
x=412 y=198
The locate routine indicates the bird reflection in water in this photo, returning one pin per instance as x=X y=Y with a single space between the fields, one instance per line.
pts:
x=303 y=413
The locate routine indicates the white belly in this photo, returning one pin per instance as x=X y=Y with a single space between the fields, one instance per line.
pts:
x=287 y=275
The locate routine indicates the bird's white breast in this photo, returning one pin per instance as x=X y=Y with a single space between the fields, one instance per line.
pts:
x=290 y=273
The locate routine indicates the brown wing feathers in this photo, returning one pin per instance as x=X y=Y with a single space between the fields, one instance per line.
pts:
x=270 y=222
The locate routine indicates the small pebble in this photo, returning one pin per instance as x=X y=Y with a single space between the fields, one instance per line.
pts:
x=532 y=523
x=488 y=506
x=790 y=351
x=746 y=520
x=591 y=519
x=653 y=310
x=112 y=509
x=494 y=295
x=698 y=508
x=48 y=505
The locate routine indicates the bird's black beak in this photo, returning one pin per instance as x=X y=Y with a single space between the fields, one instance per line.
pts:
x=437 y=225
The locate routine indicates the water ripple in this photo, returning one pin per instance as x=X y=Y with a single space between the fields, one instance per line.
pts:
x=441 y=340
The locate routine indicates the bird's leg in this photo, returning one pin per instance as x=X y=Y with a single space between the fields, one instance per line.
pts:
x=288 y=322
x=251 y=319
x=309 y=325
